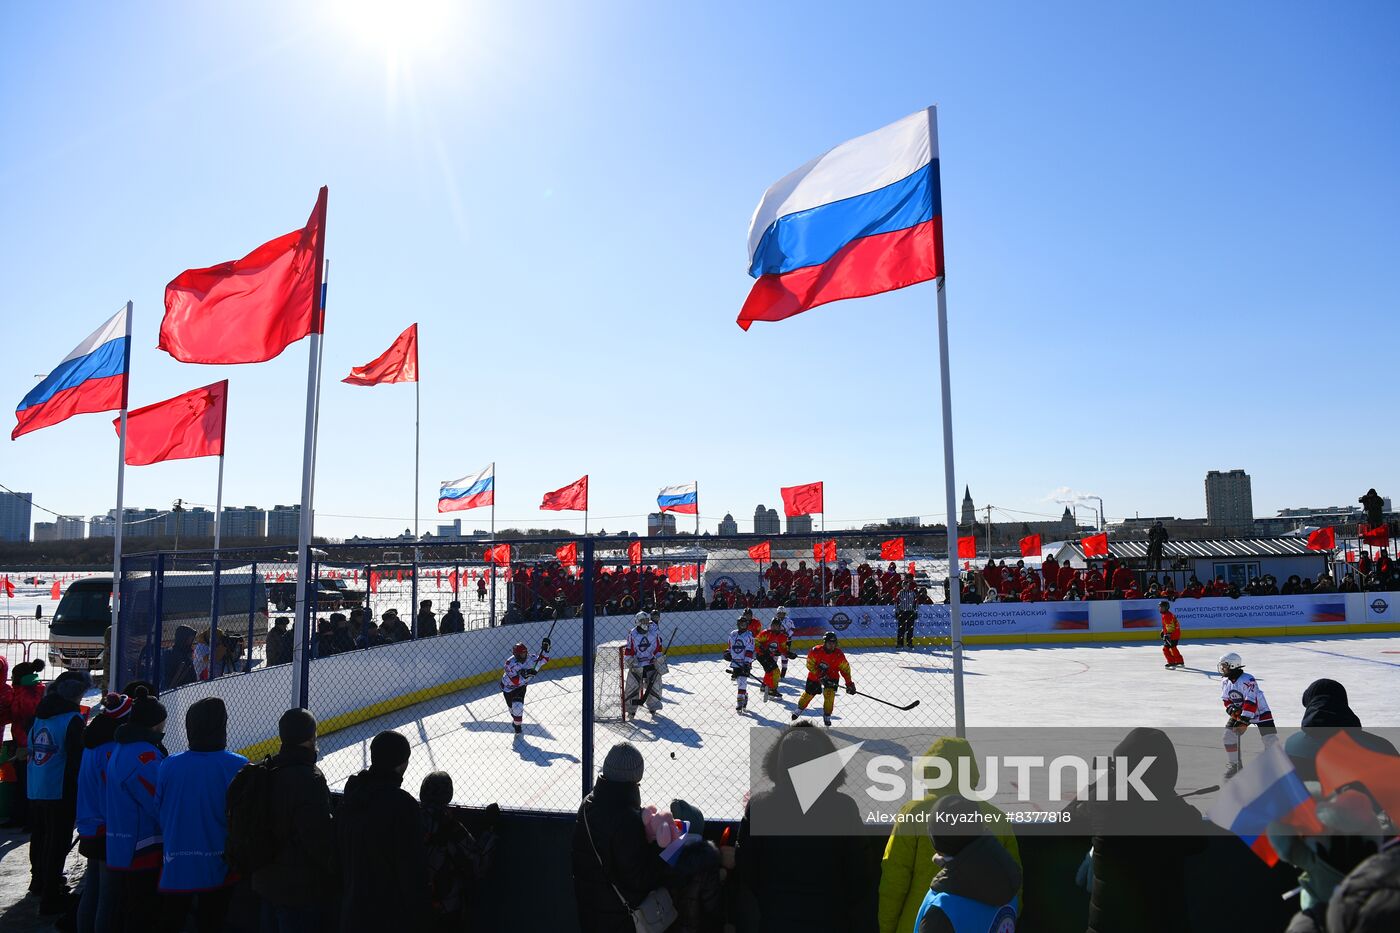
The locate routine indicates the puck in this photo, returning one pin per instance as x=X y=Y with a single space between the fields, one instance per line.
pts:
x=673 y=754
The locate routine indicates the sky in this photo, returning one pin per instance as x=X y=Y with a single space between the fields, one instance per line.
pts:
x=1167 y=229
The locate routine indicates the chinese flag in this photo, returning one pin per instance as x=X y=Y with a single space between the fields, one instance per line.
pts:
x=1030 y=546
x=802 y=500
x=1095 y=545
x=498 y=554
x=829 y=552
x=893 y=549
x=634 y=552
x=567 y=554
x=250 y=309
x=1324 y=539
x=399 y=363
x=1378 y=536
x=967 y=547
x=761 y=552
x=189 y=425
x=573 y=498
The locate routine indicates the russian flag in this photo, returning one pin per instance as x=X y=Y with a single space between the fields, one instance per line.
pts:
x=90 y=379
x=866 y=217
x=1268 y=789
x=469 y=492
x=683 y=499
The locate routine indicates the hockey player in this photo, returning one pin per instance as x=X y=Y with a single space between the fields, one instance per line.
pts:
x=1171 y=634
x=520 y=667
x=1244 y=704
x=780 y=615
x=826 y=665
x=644 y=657
x=770 y=647
x=740 y=654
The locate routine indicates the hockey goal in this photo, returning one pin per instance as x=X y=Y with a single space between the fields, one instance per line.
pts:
x=609 y=683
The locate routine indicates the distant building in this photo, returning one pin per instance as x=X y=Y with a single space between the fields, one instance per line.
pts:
x=969 y=513
x=102 y=526
x=765 y=522
x=45 y=531
x=71 y=528
x=141 y=523
x=284 y=522
x=799 y=524
x=197 y=522
x=247 y=522
x=728 y=526
x=450 y=532
x=16 y=511
x=661 y=523
x=1229 y=501
x=908 y=521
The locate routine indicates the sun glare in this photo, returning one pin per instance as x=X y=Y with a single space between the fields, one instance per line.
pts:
x=399 y=28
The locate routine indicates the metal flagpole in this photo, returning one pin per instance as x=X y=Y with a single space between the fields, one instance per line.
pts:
x=218 y=515
x=308 y=479
x=114 y=653
x=417 y=412
x=493 y=543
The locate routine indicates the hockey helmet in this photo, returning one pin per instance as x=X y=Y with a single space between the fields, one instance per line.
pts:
x=656 y=615
x=776 y=623
x=642 y=617
x=520 y=652
x=830 y=640
x=1230 y=661
x=780 y=612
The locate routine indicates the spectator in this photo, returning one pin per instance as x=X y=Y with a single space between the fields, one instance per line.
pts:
x=1325 y=710
x=25 y=695
x=615 y=868
x=97 y=908
x=384 y=859
x=1368 y=900
x=177 y=661
x=1352 y=834
x=202 y=656
x=133 y=823
x=696 y=884
x=909 y=863
x=393 y=628
x=301 y=880
x=279 y=642
x=191 y=792
x=481 y=589
x=976 y=886
x=456 y=859
x=56 y=753
x=427 y=619
x=324 y=644
x=452 y=621
x=7 y=695
x=341 y=638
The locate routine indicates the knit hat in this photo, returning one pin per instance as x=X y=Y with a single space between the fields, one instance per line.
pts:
x=27 y=674
x=436 y=790
x=683 y=810
x=116 y=705
x=956 y=832
x=130 y=688
x=296 y=726
x=71 y=685
x=624 y=764
x=387 y=751
x=146 y=711
x=206 y=725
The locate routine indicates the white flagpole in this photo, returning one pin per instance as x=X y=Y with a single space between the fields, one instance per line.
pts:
x=219 y=506
x=417 y=414
x=493 y=543
x=114 y=642
x=308 y=481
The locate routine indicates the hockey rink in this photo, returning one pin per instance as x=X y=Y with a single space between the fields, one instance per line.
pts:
x=697 y=746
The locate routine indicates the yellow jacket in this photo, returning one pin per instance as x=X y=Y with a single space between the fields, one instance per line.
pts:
x=907 y=867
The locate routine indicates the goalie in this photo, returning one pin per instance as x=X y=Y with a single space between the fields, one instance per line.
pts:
x=826 y=664
x=644 y=657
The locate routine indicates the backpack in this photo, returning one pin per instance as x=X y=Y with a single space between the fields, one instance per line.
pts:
x=252 y=837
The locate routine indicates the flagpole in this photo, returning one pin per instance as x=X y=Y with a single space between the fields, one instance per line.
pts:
x=697 y=508
x=114 y=641
x=219 y=505
x=494 y=490
x=417 y=413
x=308 y=480
x=954 y=586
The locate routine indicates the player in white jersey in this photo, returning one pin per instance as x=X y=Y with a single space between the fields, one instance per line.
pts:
x=644 y=656
x=1244 y=703
x=519 y=668
x=739 y=654
x=780 y=615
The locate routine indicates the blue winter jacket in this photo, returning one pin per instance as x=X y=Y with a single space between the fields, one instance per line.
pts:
x=133 y=822
x=92 y=790
x=191 y=790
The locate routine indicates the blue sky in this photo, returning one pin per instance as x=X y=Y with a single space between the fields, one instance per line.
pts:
x=1167 y=229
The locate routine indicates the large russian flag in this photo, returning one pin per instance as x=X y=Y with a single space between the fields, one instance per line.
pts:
x=469 y=492
x=683 y=499
x=92 y=378
x=864 y=218
x=1268 y=789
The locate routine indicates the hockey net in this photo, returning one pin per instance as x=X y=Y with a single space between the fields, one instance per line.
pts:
x=609 y=682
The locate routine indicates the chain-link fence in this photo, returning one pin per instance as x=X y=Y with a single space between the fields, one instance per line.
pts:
x=515 y=665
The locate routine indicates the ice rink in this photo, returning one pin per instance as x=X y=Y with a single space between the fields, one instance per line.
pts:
x=697 y=747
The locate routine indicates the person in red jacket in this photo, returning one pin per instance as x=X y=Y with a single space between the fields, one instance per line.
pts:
x=1171 y=634
x=1122 y=581
x=1067 y=576
x=24 y=700
x=7 y=693
x=1050 y=569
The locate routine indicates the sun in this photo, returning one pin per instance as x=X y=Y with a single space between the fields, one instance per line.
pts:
x=401 y=29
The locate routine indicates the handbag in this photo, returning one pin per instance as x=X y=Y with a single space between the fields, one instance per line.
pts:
x=656 y=912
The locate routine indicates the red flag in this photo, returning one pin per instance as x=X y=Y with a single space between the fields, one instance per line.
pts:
x=967 y=547
x=802 y=500
x=498 y=554
x=374 y=581
x=56 y=592
x=399 y=363
x=1030 y=546
x=1323 y=539
x=824 y=552
x=1378 y=536
x=567 y=554
x=673 y=574
x=893 y=549
x=452 y=581
x=1094 y=545
x=281 y=578
x=9 y=587
x=913 y=567
x=572 y=498
x=761 y=552
x=250 y=309
x=1351 y=557
x=634 y=552
x=188 y=425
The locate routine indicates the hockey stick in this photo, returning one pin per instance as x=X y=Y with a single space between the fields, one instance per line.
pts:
x=887 y=702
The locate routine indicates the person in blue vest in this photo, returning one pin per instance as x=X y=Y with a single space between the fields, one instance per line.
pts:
x=975 y=888
x=191 y=790
x=133 y=823
x=97 y=907
x=55 y=753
